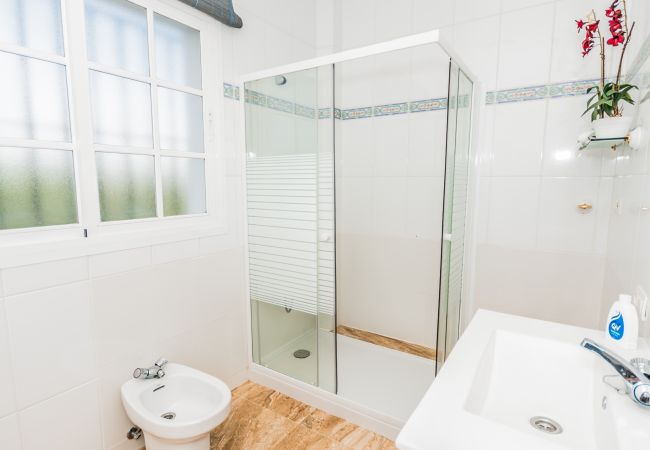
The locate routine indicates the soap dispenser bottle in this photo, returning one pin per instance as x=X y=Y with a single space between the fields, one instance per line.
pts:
x=623 y=323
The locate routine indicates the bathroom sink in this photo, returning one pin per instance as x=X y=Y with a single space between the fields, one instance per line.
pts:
x=518 y=383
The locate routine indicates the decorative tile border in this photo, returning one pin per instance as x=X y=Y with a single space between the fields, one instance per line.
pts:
x=555 y=90
x=355 y=113
x=529 y=93
x=231 y=91
x=390 y=110
x=432 y=104
x=325 y=113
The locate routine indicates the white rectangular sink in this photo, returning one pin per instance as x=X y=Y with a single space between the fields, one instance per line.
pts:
x=507 y=370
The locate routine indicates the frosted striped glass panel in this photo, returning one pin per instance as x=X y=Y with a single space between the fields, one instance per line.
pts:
x=459 y=209
x=37 y=188
x=33 y=99
x=116 y=35
x=35 y=24
x=282 y=226
x=327 y=233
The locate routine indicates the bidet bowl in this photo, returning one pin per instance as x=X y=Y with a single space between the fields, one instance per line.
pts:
x=182 y=406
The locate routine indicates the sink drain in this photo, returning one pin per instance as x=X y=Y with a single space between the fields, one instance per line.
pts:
x=546 y=425
x=301 y=354
x=168 y=415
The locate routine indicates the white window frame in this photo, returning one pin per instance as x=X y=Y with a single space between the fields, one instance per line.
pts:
x=114 y=234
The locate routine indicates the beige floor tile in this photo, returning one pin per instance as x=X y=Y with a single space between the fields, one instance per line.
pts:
x=253 y=392
x=328 y=425
x=302 y=438
x=251 y=427
x=288 y=407
x=263 y=419
x=361 y=439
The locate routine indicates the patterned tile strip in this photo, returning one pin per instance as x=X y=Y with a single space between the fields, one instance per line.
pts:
x=432 y=104
x=391 y=110
x=556 y=90
x=231 y=91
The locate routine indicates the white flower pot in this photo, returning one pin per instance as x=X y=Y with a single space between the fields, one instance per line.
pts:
x=612 y=127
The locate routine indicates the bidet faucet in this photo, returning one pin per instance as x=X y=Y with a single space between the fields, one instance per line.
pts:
x=155 y=371
x=637 y=384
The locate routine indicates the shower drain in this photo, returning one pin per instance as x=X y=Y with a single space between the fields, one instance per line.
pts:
x=168 y=415
x=301 y=354
x=546 y=425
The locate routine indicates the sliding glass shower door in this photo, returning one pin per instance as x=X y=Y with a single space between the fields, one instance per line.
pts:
x=289 y=163
x=459 y=129
x=357 y=186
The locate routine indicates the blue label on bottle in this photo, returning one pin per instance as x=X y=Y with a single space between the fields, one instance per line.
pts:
x=616 y=327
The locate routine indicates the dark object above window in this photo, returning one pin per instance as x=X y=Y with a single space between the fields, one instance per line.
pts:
x=222 y=10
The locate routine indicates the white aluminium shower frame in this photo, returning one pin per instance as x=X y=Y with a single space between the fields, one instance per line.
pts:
x=318 y=397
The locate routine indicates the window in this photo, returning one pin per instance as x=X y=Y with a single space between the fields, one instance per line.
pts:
x=37 y=155
x=103 y=123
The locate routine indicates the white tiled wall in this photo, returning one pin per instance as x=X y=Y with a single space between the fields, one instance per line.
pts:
x=530 y=174
x=389 y=172
x=72 y=331
x=628 y=241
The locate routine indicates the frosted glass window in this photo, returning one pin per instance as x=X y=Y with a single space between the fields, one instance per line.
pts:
x=37 y=188
x=33 y=99
x=126 y=186
x=180 y=121
x=121 y=110
x=178 y=52
x=183 y=186
x=34 y=24
x=116 y=35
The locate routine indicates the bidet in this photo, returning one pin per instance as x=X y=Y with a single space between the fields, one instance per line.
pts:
x=177 y=412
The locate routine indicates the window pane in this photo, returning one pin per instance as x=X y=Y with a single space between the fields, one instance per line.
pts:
x=36 y=188
x=116 y=33
x=183 y=186
x=126 y=186
x=178 y=52
x=35 y=24
x=121 y=111
x=33 y=99
x=180 y=121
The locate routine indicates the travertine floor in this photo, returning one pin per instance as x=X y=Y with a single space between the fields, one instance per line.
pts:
x=262 y=419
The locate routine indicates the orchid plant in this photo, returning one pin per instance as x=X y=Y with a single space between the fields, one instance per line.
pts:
x=608 y=94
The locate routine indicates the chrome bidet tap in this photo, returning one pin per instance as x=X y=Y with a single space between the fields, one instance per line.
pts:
x=155 y=371
x=637 y=384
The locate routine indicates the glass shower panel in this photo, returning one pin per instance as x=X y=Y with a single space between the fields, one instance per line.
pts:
x=390 y=159
x=285 y=207
x=455 y=210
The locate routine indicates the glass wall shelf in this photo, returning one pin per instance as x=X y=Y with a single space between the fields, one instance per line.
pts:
x=612 y=142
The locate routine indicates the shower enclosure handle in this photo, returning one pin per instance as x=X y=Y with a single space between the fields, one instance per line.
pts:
x=326 y=237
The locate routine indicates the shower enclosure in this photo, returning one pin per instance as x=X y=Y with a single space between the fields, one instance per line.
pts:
x=356 y=187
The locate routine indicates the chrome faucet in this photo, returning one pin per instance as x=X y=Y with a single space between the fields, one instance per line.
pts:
x=637 y=383
x=155 y=371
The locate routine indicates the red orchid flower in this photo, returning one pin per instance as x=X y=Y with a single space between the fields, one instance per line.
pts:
x=593 y=26
x=616 y=40
x=615 y=25
x=580 y=24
